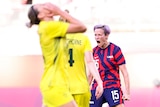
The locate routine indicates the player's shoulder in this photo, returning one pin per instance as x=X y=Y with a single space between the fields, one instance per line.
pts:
x=113 y=44
x=48 y=23
x=94 y=48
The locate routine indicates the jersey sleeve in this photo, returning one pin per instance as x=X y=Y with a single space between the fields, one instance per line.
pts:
x=54 y=29
x=118 y=55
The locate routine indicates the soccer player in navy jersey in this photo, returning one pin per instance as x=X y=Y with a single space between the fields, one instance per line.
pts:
x=110 y=61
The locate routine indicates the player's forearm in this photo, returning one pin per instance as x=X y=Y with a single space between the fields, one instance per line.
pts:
x=127 y=84
x=125 y=74
x=94 y=72
x=75 y=22
x=126 y=81
x=90 y=78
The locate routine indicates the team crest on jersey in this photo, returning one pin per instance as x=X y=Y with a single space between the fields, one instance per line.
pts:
x=110 y=56
x=96 y=57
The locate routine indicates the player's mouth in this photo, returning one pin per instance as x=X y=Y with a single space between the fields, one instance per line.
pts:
x=98 y=41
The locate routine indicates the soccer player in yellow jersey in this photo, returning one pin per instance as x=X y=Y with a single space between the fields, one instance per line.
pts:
x=80 y=57
x=54 y=85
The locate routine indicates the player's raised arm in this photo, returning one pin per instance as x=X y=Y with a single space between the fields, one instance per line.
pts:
x=47 y=11
x=75 y=24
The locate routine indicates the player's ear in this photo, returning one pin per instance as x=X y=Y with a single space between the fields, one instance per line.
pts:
x=40 y=15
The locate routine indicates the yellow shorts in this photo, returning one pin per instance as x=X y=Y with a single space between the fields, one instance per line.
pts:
x=56 y=96
x=82 y=100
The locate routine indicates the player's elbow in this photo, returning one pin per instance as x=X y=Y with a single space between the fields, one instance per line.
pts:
x=82 y=28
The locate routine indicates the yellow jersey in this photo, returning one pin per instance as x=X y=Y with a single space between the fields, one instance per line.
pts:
x=77 y=45
x=53 y=42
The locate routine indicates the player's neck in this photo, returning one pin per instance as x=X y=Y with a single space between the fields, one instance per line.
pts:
x=48 y=19
x=105 y=45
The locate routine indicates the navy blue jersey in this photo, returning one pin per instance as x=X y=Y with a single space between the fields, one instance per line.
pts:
x=108 y=61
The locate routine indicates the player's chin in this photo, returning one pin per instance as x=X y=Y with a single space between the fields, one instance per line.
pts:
x=99 y=45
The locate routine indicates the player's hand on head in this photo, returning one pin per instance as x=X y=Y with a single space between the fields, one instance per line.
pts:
x=52 y=8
